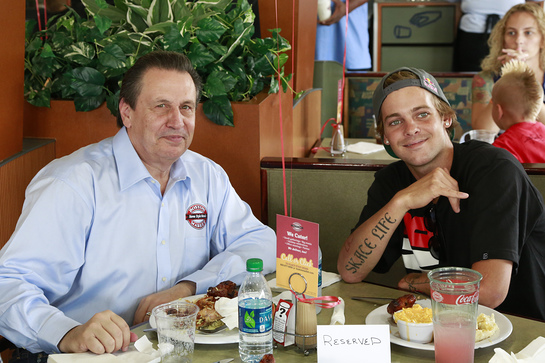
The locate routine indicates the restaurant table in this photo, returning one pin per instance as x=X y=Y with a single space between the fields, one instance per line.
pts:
x=524 y=331
x=381 y=155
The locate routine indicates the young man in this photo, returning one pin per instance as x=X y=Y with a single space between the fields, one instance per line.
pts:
x=124 y=225
x=516 y=101
x=445 y=204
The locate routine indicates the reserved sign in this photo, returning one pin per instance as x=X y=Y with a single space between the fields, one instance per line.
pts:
x=338 y=343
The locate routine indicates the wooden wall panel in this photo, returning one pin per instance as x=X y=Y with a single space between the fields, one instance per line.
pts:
x=12 y=20
x=14 y=178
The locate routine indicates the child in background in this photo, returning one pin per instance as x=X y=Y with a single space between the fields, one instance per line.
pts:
x=516 y=101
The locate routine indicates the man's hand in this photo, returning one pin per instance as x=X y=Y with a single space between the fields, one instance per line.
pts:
x=182 y=289
x=433 y=185
x=340 y=11
x=512 y=54
x=415 y=282
x=105 y=332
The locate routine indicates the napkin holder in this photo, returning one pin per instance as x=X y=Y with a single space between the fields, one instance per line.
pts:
x=305 y=322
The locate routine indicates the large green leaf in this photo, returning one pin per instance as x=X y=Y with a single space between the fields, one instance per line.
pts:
x=214 y=86
x=199 y=55
x=120 y=39
x=210 y=30
x=112 y=102
x=87 y=82
x=111 y=12
x=219 y=111
x=103 y=23
x=30 y=25
x=264 y=64
x=217 y=48
x=137 y=21
x=80 y=53
x=159 y=12
x=112 y=57
x=236 y=43
x=180 y=10
x=39 y=98
x=173 y=40
x=138 y=9
x=88 y=103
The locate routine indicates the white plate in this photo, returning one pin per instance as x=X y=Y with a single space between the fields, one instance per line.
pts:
x=380 y=316
x=222 y=337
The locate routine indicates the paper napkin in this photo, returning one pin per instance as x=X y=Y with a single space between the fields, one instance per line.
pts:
x=141 y=352
x=337 y=318
x=228 y=308
x=364 y=147
x=533 y=353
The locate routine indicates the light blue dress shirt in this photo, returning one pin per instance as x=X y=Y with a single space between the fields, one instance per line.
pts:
x=330 y=40
x=95 y=234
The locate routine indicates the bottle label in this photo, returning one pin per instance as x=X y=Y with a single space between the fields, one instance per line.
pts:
x=320 y=273
x=254 y=320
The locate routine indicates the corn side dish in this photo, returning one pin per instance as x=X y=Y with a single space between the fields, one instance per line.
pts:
x=415 y=314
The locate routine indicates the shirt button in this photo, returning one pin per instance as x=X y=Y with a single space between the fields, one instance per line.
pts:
x=153 y=181
x=162 y=204
x=163 y=242
x=164 y=279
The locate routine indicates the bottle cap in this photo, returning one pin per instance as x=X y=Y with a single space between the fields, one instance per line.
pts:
x=254 y=265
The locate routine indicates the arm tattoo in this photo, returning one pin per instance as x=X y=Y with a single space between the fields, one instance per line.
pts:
x=380 y=230
x=413 y=283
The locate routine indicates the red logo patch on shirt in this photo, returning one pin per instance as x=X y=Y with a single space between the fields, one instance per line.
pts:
x=196 y=215
x=416 y=231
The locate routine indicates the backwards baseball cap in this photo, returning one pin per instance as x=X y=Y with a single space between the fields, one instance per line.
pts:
x=424 y=80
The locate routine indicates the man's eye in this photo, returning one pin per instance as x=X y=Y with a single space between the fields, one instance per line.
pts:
x=162 y=105
x=423 y=114
x=395 y=122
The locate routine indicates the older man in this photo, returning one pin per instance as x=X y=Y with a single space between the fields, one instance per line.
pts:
x=121 y=226
x=468 y=205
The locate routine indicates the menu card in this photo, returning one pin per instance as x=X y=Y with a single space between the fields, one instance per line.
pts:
x=297 y=255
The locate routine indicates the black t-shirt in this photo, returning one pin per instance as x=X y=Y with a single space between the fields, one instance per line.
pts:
x=503 y=218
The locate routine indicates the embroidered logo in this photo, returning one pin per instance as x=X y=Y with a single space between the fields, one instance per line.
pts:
x=196 y=215
x=428 y=83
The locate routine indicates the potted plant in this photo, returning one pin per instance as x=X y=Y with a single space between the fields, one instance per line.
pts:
x=84 y=59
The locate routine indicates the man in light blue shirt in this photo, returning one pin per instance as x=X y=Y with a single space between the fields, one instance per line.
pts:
x=121 y=226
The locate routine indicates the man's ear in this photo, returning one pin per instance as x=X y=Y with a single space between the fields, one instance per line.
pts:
x=500 y=110
x=125 y=112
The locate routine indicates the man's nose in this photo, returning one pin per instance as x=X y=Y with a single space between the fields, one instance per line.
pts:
x=175 y=119
x=411 y=127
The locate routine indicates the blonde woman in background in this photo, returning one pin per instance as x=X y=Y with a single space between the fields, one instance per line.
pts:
x=518 y=35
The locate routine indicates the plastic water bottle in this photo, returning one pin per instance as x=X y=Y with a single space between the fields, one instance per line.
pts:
x=254 y=314
x=319 y=308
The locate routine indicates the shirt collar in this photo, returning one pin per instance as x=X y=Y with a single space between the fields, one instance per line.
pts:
x=130 y=167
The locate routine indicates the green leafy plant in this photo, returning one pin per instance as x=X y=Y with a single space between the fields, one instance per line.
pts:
x=84 y=59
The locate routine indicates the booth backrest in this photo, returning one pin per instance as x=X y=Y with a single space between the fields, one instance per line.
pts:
x=332 y=194
x=359 y=108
